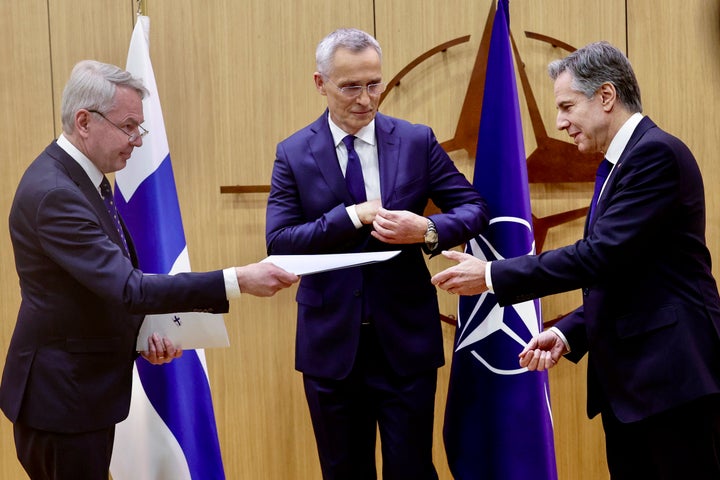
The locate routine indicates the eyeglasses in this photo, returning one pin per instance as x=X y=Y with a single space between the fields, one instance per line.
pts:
x=140 y=132
x=354 y=91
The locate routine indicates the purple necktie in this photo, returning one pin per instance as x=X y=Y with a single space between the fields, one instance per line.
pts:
x=107 y=196
x=602 y=173
x=353 y=173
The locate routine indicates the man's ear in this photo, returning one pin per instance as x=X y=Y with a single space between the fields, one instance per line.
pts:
x=608 y=95
x=82 y=118
x=319 y=83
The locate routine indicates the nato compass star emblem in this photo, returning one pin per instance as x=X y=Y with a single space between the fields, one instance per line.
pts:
x=495 y=335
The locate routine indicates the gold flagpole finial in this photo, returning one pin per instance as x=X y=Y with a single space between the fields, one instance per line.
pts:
x=140 y=7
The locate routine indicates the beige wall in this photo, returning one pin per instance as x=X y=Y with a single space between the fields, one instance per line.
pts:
x=236 y=77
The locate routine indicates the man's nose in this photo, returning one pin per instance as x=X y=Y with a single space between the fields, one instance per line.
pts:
x=364 y=97
x=561 y=122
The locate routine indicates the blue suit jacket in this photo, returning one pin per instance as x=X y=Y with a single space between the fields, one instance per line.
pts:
x=306 y=215
x=650 y=318
x=70 y=361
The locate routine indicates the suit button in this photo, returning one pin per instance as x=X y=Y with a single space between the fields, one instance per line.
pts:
x=586 y=291
x=357 y=293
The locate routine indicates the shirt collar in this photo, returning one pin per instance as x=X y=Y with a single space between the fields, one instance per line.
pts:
x=621 y=139
x=366 y=134
x=91 y=170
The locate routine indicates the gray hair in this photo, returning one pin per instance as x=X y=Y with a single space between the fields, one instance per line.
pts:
x=598 y=63
x=92 y=86
x=350 y=38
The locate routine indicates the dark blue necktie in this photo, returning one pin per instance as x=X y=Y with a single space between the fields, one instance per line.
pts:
x=353 y=173
x=107 y=196
x=602 y=173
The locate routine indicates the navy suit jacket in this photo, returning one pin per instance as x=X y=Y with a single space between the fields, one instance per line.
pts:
x=306 y=215
x=70 y=361
x=650 y=318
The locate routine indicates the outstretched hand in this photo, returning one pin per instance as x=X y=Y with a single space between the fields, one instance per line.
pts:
x=263 y=279
x=465 y=278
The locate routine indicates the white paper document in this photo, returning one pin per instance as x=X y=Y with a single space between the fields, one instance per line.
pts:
x=307 y=264
x=187 y=330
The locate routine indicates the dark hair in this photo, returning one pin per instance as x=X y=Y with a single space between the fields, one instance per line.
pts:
x=598 y=63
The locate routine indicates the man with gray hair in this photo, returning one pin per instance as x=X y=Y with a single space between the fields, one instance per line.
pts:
x=369 y=339
x=68 y=372
x=650 y=320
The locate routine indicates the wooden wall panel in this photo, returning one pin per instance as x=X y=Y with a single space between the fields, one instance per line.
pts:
x=26 y=113
x=675 y=56
x=86 y=29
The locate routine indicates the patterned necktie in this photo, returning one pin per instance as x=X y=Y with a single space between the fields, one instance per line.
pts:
x=353 y=173
x=107 y=196
x=602 y=173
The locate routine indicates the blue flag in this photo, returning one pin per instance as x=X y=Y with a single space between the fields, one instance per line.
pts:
x=498 y=421
x=170 y=432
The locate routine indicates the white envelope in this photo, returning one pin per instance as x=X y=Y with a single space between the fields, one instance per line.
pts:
x=187 y=330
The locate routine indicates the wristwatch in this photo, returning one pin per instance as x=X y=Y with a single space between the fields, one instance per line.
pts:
x=431 y=236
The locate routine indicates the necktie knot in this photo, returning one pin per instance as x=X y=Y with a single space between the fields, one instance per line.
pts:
x=349 y=142
x=105 y=189
x=353 y=173
x=604 y=169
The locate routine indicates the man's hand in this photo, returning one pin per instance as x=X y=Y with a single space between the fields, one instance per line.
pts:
x=366 y=211
x=399 y=227
x=543 y=352
x=160 y=350
x=465 y=278
x=263 y=279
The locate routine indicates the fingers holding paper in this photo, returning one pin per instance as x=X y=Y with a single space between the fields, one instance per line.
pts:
x=465 y=278
x=263 y=279
x=160 y=350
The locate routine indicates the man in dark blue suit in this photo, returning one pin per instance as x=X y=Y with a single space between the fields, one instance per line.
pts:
x=650 y=319
x=369 y=339
x=68 y=373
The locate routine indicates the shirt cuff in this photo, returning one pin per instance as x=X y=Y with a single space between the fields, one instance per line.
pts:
x=232 y=288
x=488 y=280
x=354 y=216
x=560 y=334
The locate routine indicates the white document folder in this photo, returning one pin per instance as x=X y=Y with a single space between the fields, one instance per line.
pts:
x=187 y=330
x=308 y=264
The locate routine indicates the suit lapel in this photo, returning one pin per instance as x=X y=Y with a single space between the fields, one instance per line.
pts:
x=80 y=178
x=388 y=145
x=644 y=125
x=326 y=159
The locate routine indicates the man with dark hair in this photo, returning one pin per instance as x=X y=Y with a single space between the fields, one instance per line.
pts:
x=650 y=319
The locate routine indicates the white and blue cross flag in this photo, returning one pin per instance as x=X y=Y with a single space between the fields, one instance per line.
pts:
x=171 y=431
x=498 y=421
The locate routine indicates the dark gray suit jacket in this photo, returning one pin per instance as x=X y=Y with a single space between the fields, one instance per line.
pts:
x=70 y=360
